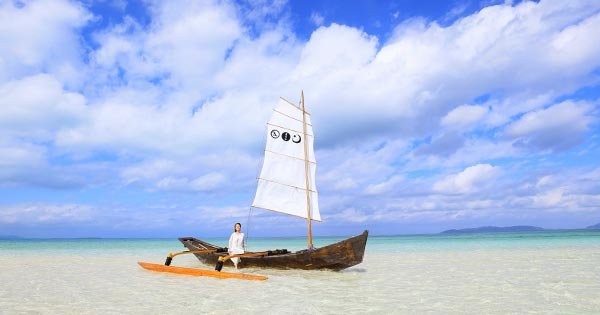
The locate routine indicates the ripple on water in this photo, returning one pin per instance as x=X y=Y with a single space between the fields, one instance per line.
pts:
x=490 y=280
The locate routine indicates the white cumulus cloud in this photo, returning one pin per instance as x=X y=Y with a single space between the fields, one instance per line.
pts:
x=180 y=103
x=464 y=116
x=471 y=179
x=558 y=127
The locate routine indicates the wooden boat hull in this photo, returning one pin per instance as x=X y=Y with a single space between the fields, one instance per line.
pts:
x=337 y=256
x=199 y=272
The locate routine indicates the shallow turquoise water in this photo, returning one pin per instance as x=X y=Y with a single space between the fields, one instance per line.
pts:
x=555 y=272
x=398 y=243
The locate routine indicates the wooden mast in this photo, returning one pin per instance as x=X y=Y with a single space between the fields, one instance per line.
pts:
x=306 y=170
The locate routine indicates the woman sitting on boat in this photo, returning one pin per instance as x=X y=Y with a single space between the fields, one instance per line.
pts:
x=236 y=243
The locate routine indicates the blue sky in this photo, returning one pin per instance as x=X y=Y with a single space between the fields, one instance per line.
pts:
x=146 y=118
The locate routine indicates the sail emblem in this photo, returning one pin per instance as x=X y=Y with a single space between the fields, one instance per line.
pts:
x=285 y=136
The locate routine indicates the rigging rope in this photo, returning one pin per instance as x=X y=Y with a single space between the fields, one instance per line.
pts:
x=247 y=229
x=259 y=168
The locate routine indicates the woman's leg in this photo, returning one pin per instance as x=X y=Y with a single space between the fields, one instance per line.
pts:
x=235 y=261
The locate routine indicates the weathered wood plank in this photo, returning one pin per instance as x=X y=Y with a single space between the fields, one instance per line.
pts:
x=337 y=256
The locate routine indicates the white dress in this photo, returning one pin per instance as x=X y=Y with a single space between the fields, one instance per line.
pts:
x=236 y=246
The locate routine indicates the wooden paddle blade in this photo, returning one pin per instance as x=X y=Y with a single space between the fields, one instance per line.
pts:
x=199 y=272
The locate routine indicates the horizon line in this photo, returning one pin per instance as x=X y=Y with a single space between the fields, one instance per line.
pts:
x=17 y=237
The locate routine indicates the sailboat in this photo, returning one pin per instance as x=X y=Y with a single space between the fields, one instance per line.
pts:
x=287 y=185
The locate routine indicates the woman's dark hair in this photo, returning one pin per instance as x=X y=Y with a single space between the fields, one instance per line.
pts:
x=237 y=224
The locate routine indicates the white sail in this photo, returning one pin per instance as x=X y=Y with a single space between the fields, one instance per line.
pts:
x=282 y=180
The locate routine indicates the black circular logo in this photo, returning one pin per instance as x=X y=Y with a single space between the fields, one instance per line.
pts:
x=296 y=139
x=275 y=133
x=285 y=136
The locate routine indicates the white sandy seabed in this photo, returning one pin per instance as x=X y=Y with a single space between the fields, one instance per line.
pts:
x=548 y=280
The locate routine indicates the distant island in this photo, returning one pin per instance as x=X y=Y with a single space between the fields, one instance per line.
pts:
x=594 y=227
x=516 y=228
x=483 y=229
